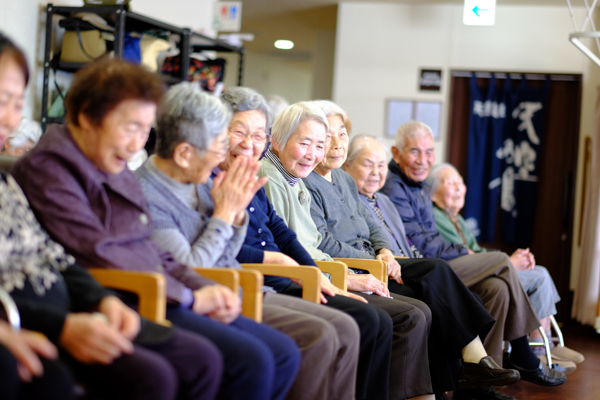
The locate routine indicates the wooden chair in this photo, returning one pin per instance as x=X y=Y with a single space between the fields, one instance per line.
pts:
x=375 y=267
x=250 y=281
x=150 y=287
x=310 y=277
x=338 y=272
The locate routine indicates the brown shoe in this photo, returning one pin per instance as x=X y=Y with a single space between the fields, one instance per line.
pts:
x=486 y=372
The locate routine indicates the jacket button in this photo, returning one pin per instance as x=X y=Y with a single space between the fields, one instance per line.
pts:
x=263 y=243
x=143 y=218
x=251 y=209
x=259 y=230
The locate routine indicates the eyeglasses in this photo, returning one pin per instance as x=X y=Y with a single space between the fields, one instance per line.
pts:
x=257 y=138
x=221 y=153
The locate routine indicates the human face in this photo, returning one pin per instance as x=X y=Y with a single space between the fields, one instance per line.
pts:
x=247 y=136
x=337 y=150
x=450 y=193
x=369 y=169
x=304 y=149
x=417 y=157
x=124 y=132
x=202 y=162
x=12 y=96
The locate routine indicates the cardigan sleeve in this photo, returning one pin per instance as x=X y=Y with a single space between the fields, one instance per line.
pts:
x=329 y=244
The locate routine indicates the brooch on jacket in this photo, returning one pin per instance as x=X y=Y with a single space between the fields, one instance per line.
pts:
x=302 y=198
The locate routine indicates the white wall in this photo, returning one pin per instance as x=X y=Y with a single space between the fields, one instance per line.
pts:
x=380 y=48
x=275 y=75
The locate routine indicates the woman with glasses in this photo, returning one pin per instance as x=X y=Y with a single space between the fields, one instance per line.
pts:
x=78 y=184
x=203 y=221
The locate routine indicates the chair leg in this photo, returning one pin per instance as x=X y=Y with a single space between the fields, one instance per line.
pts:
x=561 y=339
x=546 y=347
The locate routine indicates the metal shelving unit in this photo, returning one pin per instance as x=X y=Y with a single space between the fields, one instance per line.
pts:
x=125 y=21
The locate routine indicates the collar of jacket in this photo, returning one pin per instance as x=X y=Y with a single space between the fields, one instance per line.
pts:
x=395 y=168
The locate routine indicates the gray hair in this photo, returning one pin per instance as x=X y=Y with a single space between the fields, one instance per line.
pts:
x=411 y=130
x=277 y=103
x=287 y=122
x=246 y=99
x=358 y=144
x=189 y=115
x=434 y=179
x=330 y=108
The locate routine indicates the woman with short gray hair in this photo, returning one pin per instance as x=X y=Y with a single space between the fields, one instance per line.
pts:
x=292 y=117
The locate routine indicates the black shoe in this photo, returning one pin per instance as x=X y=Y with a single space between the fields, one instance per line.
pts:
x=483 y=393
x=441 y=396
x=542 y=375
x=485 y=372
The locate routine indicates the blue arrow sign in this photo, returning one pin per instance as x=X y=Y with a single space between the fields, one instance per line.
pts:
x=476 y=10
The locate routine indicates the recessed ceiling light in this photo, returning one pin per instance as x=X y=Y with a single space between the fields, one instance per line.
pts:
x=284 y=44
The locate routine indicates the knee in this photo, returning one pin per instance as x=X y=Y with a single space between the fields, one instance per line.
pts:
x=347 y=330
x=495 y=288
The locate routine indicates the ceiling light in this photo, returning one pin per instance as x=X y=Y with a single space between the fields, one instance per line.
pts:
x=284 y=44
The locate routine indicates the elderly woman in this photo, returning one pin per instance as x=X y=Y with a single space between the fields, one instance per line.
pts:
x=202 y=221
x=299 y=140
x=101 y=340
x=491 y=275
x=448 y=191
x=77 y=182
x=269 y=240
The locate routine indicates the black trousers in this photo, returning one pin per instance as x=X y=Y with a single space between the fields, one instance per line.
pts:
x=375 y=327
x=458 y=317
x=55 y=384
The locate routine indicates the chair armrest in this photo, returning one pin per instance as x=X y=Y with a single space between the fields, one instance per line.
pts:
x=338 y=271
x=310 y=277
x=375 y=267
x=150 y=287
x=225 y=276
x=252 y=294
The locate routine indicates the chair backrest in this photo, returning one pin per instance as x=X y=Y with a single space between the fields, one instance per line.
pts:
x=7 y=162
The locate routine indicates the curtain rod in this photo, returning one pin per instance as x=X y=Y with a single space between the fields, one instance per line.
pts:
x=502 y=75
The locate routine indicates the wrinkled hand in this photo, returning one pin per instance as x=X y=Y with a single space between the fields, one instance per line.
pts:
x=25 y=347
x=122 y=318
x=276 y=257
x=90 y=338
x=394 y=270
x=522 y=259
x=233 y=189
x=367 y=283
x=218 y=302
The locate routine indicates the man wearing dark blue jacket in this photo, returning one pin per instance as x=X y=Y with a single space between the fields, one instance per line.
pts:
x=490 y=275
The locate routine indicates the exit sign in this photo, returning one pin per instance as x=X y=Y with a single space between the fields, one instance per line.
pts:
x=479 y=12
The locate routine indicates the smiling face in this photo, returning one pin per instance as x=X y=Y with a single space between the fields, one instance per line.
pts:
x=337 y=149
x=123 y=132
x=417 y=157
x=304 y=149
x=369 y=168
x=247 y=136
x=12 y=96
x=450 y=192
x=201 y=163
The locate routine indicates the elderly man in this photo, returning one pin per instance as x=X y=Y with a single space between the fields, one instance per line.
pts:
x=490 y=275
x=448 y=191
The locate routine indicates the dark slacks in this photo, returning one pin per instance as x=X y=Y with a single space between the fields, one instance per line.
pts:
x=185 y=366
x=409 y=368
x=55 y=384
x=458 y=316
x=493 y=277
x=375 y=328
x=259 y=362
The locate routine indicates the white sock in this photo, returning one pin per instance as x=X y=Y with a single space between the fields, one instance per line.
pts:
x=474 y=351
